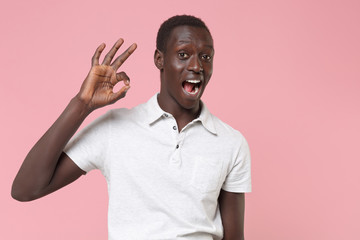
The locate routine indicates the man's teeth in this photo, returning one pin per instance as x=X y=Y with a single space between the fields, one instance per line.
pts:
x=193 y=81
x=193 y=88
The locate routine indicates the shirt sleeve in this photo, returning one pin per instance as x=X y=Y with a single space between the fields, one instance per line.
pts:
x=88 y=148
x=239 y=177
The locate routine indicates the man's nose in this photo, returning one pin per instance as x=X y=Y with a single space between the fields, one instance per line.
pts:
x=195 y=65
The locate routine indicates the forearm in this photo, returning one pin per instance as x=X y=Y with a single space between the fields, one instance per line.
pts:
x=39 y=165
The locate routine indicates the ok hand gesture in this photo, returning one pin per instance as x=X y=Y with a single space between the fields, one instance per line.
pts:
x=97 y=89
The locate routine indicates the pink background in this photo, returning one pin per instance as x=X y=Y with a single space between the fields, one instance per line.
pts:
x=286 y=74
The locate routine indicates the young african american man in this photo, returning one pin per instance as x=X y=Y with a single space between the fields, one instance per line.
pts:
x=174 y=170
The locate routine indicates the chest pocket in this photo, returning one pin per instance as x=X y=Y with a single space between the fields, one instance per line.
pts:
x=206 y=174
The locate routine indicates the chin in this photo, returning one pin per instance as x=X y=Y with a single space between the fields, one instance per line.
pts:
x=190 y=102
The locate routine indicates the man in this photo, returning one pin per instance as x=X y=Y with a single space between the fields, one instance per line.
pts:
x=174 y=170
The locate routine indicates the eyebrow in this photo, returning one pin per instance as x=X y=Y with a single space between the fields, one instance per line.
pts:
x=185 y=42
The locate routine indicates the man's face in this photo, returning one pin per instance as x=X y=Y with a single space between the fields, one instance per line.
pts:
x=187 y=66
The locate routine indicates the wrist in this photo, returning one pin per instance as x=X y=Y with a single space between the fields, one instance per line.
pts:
x=80 y=106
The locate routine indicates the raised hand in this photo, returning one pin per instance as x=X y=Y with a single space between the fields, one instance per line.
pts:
x=46 y=168
x=97 y=89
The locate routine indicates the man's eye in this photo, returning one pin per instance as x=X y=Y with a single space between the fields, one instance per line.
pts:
x=206 y=57
x=183 y=55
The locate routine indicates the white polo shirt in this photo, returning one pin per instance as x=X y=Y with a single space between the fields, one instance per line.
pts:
x=162 y=183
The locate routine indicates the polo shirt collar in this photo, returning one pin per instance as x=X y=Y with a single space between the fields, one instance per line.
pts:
x=153 y=109
x=206 y=118
x=155 y=113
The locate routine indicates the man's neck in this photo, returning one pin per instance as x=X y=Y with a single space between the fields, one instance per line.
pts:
x=182 y=116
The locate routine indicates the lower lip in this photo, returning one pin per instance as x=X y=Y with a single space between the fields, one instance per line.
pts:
x=194 y=94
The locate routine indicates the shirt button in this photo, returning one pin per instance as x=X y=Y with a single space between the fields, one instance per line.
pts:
x=165 y=115
x=174 y=127
x=177 y=146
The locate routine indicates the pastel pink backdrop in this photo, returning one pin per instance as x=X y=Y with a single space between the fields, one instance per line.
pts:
x=286 y=74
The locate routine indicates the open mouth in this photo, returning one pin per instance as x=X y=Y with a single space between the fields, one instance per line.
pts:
x=191 y=86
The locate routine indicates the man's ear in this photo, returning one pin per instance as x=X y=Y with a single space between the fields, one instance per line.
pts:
x=159 y=59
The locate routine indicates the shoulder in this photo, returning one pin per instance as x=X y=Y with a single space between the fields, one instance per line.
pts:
x=123 y=115
x=227 y=132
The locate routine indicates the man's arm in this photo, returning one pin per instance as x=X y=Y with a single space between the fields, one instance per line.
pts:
x=46 y=168
x=232 y=208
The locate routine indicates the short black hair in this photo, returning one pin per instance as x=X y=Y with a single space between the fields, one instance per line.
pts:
x=173 y=22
